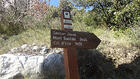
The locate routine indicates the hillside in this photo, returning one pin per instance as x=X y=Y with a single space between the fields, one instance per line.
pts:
x=117 y=24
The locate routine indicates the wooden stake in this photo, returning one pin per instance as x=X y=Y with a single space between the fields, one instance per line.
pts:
x=70 y=58
x=70 y=42
x=70 y=61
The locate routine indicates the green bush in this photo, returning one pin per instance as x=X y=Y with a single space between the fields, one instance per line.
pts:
x=11 y=28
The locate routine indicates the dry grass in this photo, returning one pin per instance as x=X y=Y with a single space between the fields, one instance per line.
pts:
x=42 y=37
x=30 y=36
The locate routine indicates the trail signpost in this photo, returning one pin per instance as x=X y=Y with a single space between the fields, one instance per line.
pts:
x=70 y=40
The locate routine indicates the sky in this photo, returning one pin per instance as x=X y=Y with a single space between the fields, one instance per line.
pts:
x=54 y=2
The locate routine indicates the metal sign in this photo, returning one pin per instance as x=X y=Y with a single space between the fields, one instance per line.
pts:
x=66 y=20
x=74 y=39
x=67 y=14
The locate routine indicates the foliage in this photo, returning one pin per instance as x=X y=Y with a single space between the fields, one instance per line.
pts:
x=50 y=15
x=115 y=13
x=16 y=16
x=11 y=28
x=120 y=42
x=30 y=36
x=11 y=17
x=65 y=3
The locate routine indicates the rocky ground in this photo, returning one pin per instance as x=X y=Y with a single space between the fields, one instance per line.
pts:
x=40 y=62
x=34 y=50
x=32 y=62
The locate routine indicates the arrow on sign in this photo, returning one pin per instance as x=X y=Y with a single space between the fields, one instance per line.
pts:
x=73 y=39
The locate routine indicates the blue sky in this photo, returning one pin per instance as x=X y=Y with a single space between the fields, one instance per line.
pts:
x=54 y=2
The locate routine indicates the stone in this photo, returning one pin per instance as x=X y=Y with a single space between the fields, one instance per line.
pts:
x=44 y=50
x=54 y=62
x=34 y=44
x=56 y=50
x=14 y=49
x=35 y=48
x=19 y=65
x=24 y=46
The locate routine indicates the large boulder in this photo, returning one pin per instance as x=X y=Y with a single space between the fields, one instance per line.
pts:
x=39 y=62
x=20 y=66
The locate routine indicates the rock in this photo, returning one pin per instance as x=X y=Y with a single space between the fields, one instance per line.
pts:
x=32 y=49
x=18 y=76
x=24 y=46
x=35 y=48
x=44 y=50
x=4 y=37
x=14 y=49
x=34 y=44
x=54 y=62
x=14 y=76
x=56 y=50
x=18 y=66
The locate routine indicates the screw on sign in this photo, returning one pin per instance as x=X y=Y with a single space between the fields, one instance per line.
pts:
x=70 y=40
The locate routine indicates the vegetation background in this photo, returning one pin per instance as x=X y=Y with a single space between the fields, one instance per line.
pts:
x=115 y=22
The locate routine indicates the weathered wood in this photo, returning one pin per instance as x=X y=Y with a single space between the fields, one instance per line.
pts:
x=71 y=66
x=68 y=39
x=70 y=58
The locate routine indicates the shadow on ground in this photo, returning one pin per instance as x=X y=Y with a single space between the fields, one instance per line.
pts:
x=94 y=65
x=129 y=71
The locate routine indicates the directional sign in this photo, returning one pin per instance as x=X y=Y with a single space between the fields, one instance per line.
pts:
x=70 y=41
x=70 y=58
x=73 y=39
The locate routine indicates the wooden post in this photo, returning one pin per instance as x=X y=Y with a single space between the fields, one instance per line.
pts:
x=71 y=66
x=70 y=40
x=70 y=57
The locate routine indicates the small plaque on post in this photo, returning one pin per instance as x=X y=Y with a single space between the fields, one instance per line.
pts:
x=66 y=14
x=66 y=20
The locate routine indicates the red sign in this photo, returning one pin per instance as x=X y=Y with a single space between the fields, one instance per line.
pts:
x=73 y=39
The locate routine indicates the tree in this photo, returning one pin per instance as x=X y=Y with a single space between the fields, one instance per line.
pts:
x=39 y=8
x=65 y=4
x=12 y=13
x=116 y=13
x=15 y=15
